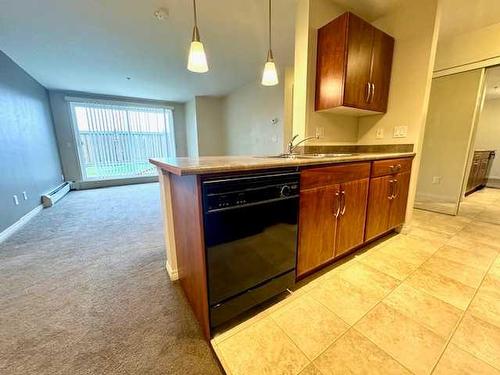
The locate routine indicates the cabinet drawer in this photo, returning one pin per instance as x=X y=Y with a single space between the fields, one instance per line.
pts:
x=391 y=166
x=316 y=177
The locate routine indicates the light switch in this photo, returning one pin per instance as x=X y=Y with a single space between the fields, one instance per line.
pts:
x=395 y=133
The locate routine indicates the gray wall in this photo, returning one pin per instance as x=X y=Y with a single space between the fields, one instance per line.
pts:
x=66 y=136
x=29 y=160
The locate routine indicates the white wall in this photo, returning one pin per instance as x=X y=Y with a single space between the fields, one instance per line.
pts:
x=248 y=113
x=205 y=135
x=488 y=133
x=468 y=48
x=414 y=25
x=191 y=129
x=454 y=103
x=337 y=129
x=210 y=125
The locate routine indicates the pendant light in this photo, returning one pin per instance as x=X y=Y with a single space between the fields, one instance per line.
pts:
x=270 y=75
x=197 y=60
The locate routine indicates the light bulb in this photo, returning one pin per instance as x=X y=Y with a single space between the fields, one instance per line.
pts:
x=197 y=60
x=270 y=75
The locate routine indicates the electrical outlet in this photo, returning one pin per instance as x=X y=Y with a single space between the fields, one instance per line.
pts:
x=380 y=133
x=400 y=132
x=320 y=132
x=16 y=201
x=436 y=179
x=25 y=196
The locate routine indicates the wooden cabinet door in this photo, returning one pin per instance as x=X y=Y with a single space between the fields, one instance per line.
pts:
x=401 y=184
x=379 y=206
x=483 y=171
x=351 y=223
x=317 y=227
x=359 y=52
x=380 y=74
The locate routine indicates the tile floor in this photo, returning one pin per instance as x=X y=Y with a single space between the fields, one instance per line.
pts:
x=427 y=301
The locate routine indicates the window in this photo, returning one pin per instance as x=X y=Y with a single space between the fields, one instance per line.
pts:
x=117 y=139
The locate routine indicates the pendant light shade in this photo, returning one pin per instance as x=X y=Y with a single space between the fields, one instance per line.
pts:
x=270 y=75
x=197 y=60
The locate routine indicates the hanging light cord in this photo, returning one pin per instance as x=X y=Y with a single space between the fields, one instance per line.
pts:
x=195 y=15
x=270 y=25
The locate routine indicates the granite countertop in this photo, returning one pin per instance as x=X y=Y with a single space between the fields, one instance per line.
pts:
x=217 y=164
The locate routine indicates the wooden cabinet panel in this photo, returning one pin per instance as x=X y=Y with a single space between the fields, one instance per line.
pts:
x=351 y=221
x=321 y=176
x=380 y=73
x=391 y=166
x=401 y=184
x=379 y=206
x=332 y=44
x=317 y=227
x=359 y=56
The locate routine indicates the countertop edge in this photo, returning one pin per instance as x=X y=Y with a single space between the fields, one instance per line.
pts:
x=211 y=169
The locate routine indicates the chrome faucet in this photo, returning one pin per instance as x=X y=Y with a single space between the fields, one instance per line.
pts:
x=292 y=147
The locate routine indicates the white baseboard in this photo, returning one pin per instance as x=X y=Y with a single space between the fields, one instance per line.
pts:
x=493 y=182
x=20 y=223
x=173 y=274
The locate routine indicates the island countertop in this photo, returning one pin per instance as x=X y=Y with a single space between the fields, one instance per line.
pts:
x=219 y=164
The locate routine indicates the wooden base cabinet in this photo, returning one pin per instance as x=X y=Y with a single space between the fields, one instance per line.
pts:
x=481 y=165
x=346 y=205
x=388 y=196
x=332 y=213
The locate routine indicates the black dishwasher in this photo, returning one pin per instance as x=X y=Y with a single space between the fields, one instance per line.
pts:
x=250 y=239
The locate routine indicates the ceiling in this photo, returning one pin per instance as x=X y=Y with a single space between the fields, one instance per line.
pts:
x=94 y=45
x=493 y=83
x=369 y=9
x=461 y=16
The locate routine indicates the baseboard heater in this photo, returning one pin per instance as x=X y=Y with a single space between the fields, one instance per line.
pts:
x=49 y=199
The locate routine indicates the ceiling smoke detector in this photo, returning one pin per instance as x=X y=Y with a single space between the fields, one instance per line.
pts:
x=161 y=14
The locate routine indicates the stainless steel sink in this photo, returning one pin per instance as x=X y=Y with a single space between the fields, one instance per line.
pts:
x=306 y=156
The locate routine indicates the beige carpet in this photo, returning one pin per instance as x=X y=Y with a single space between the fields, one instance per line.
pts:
x=83 y=290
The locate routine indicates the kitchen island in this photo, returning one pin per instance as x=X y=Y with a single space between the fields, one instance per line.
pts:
x=342 y=202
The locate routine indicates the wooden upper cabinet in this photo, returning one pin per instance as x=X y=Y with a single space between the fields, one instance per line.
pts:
x=380 y=73
x=358 y=64
x=354 y=61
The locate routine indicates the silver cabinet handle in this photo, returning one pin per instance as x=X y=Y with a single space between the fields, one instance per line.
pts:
x=396 y=189
x=395 y=168
x=337 y=211
x=391 y=190
x=368 y=92
x=373 y=91
x=342 y=212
